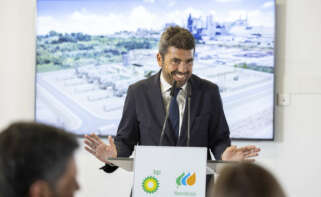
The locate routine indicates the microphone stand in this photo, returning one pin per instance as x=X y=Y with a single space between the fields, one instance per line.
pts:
x=189 y=95
x=167 y=114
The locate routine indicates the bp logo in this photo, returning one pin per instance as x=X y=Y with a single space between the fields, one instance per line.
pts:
x=150 y=184
x=186 y=179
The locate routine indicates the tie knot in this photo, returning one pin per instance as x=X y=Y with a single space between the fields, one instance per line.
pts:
x=176 y=90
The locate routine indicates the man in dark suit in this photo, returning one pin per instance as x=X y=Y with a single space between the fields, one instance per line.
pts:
x=148 y=102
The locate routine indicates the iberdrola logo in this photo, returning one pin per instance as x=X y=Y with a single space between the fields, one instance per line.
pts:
x=186 y=179
x=150 y=184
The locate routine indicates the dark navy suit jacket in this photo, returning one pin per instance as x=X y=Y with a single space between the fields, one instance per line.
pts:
x=144 y=113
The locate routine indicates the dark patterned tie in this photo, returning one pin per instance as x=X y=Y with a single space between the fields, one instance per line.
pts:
x=174 y=112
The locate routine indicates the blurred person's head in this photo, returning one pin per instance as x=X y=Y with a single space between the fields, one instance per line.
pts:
x=5 y=190
x=176 y=54
x=246 y=180
x=38 y=160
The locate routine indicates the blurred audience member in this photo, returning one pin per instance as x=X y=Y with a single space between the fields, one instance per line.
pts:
x=247 y=180
x=37 y=160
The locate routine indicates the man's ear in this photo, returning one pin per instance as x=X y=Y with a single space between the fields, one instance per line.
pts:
x=159 y=60
x=40 y=188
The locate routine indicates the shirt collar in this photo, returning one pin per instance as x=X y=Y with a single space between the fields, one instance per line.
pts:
x=165 y=86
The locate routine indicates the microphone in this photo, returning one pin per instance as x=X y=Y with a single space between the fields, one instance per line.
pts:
x=189 y=95
x=167 y=113
x=173 y=88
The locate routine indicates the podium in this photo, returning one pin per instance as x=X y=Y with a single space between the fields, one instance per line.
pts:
x=171 y=171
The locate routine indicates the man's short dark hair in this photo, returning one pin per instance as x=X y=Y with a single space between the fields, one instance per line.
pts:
x=33 y=151
x=5 y=190
x=177 y=37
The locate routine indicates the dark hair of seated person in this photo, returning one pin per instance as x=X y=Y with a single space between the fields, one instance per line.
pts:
x=246 y=180
x=32 y=151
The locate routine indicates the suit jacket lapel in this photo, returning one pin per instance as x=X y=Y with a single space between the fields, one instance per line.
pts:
x=195 y=99
x=157 y=99
x=159 y=108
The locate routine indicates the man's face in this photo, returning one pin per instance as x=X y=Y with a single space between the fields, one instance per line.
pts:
x=67 y=184
x=177 y=65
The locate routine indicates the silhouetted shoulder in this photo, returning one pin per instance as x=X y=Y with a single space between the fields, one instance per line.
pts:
x=144 y=84
x=203 y=84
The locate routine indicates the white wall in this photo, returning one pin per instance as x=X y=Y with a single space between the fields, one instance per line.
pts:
x=17 y=60
x=294 y=157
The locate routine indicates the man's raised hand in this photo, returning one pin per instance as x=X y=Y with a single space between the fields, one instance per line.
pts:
x=99 y=149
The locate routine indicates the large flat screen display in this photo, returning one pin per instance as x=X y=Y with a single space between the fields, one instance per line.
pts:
x=90 y=51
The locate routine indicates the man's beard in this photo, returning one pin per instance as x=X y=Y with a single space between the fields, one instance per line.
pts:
x=170 y=77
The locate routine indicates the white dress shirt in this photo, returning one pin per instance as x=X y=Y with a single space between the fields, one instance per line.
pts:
x=181 y=97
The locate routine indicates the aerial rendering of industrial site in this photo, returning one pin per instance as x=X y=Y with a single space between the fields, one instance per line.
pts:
x=89 y=52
